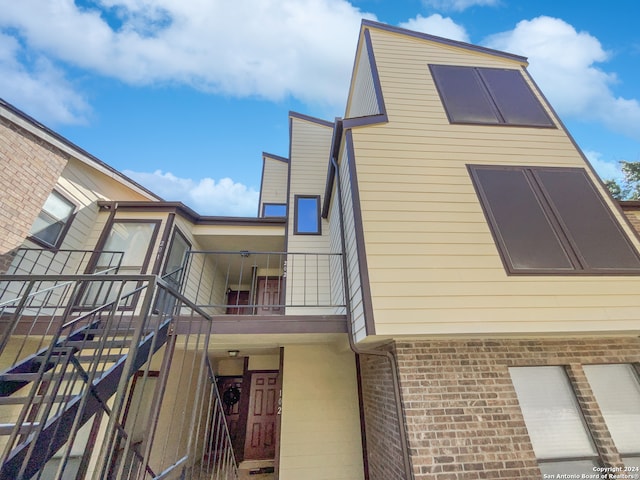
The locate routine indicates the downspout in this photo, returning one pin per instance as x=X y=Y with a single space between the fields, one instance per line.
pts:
x=408 y=470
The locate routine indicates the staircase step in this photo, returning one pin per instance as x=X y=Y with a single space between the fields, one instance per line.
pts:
x=94 y=344
x=7 y=428
x=112 y=331
x=105 y=357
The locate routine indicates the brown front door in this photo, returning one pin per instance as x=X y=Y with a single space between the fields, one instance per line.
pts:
x=269 y=295
x=236 y=300
x=230 y=388
x=260 y=442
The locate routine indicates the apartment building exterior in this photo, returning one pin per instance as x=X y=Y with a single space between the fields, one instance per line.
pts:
x=435 y=286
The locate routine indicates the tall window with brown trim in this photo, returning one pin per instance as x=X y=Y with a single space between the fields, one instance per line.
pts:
x=492 y=96
x=552 y=220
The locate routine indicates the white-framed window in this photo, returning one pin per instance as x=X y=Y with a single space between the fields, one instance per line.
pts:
x=560 y=438
x=53 y=220
x=617 y=391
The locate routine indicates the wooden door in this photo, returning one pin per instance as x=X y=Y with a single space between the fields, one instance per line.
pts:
x=260 y=442
x=229 y=388
x=269 y=296
x=235 y=301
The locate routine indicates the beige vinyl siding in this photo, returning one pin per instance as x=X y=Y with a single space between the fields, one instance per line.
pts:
x=363 y=101
x=433 y=264
x=205 y=283
x=310 y=145
x=84 y=186
x=335 y=246
x=320 y=428
x=274 y=182
x=358 y=326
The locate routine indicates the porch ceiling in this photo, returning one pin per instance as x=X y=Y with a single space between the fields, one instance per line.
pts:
x=238 y=242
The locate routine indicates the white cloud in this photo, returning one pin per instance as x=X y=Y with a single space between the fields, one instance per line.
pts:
x=268 y=48
x=564 y=64
x=459 y=5
x=206 y=196
x=606 y=170
x=38 y=86
x=437 y=25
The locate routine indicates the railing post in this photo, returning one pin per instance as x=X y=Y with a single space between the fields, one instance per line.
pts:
x=106 y=455
x=16 y=317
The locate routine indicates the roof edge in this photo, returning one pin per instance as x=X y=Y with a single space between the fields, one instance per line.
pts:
x=308 y=118
x=187 y=212
x=442 y=40
x=69 y=147
x=275 y=157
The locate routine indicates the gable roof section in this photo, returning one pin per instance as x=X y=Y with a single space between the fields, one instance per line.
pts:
x=444 y=41
x=365 y=104
x=29 y=124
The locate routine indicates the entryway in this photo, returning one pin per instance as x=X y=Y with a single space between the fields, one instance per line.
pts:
x=250 y=389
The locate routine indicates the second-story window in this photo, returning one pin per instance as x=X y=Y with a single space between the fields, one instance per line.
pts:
x=274 y=210
x=53 y=221
x=490 y=96
x=552 y=220
x=307 y=215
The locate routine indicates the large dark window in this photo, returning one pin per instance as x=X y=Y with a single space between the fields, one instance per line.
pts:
x=547 y=219
x=488 y=96
x=307 y=215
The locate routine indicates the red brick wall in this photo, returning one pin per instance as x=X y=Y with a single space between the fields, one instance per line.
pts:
x=30 y=169
x=462 y=414
x=384 y=454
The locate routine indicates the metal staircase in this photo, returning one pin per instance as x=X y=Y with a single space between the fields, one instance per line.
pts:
x=70 y=346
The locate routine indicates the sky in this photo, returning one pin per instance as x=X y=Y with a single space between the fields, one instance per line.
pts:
x=184 y=96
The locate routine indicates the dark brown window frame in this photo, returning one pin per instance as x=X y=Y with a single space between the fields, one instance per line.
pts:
x=273 y=204
x=318 y=212
x=491 y=96
x=65 y=228
x=175 y=233
x=102 y=240
x=555 y=222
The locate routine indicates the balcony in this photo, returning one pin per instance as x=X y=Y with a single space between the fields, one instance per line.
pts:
x=262 y=283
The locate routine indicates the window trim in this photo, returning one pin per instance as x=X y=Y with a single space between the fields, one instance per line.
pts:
x=102 y=241
x=492 y=99
x=295 y=216
x=555 y=222
x=273 y=204
x=176 y=233
x=597 y=458
x=65 y=228
x=635 y=372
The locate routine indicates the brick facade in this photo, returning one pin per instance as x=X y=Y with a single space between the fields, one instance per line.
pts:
x=30 y=170
x=384 y=455
x=462 y=414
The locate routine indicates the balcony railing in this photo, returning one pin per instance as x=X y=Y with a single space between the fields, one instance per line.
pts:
x=37 y=261
x=262 y=283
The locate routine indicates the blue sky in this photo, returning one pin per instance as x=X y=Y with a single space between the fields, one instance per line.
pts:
x=185 y=95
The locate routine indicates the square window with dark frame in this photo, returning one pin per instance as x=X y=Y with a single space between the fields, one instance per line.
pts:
x=492 y=96
x=307 y=215
x=53 y=221
x=552 y=220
